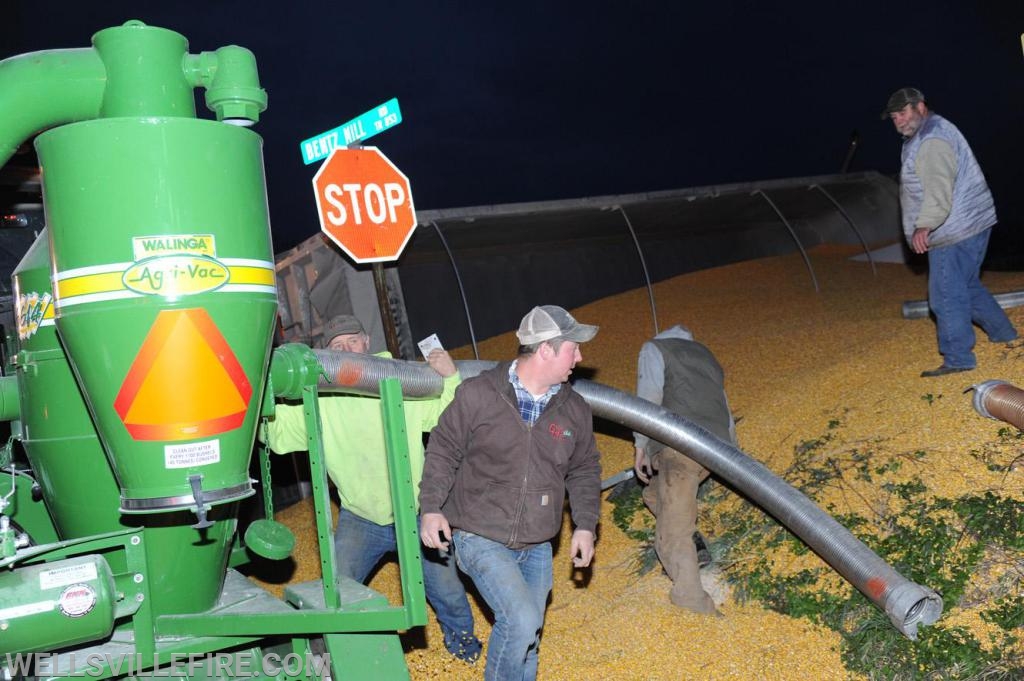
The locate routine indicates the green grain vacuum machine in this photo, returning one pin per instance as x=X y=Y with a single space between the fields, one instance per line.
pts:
x=140 y=367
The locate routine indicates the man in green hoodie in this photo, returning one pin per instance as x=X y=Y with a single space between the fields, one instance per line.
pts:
x=354 y=454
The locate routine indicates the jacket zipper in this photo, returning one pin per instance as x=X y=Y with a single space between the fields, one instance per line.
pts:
x=521 y=506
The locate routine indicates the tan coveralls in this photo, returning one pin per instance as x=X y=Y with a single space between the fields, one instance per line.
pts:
x=684 y=377
x=672 y=498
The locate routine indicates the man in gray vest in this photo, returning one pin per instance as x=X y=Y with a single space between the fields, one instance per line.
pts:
x=683 y=376
x=948 y=213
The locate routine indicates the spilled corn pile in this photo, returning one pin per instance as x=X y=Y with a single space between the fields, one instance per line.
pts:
x=826 y=390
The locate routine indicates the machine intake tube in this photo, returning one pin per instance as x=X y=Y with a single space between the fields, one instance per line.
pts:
x=907 y=604
x=353 y=373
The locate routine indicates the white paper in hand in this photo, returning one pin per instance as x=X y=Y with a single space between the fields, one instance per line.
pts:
x=429 y=344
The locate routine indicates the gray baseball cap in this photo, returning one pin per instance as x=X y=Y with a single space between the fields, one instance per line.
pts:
x=339 y=326
x=900 y=98
x=547 y=322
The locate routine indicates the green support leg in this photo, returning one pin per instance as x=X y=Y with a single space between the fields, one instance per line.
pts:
x=367 y=657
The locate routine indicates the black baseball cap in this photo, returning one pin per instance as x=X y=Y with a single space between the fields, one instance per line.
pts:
x=900 y=98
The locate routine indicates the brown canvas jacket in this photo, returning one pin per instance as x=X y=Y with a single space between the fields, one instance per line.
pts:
x=491 y=474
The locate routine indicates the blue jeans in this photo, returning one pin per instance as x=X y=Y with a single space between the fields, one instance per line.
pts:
x=958 y=298
x=515 y=584
x=360 y=544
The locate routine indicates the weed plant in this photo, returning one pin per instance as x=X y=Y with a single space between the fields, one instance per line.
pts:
x=970 y=550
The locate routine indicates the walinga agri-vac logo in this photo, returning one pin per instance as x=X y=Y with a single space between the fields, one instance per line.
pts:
x=175 y=265
x=167 y=265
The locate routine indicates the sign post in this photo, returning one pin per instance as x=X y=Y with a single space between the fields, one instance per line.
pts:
x=384 y=305
x=364 y=203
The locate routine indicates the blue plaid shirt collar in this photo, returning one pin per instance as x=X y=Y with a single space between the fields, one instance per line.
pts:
x=530 y=408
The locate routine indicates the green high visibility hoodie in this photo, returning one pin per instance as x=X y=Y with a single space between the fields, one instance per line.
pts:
x=354 y=451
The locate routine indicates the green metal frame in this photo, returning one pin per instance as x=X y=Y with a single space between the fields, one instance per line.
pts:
x=407 y=536
x=302 y=367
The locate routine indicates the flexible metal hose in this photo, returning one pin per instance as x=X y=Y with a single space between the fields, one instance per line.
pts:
x=907 y=604
x=1001 y=401
x=351 y=372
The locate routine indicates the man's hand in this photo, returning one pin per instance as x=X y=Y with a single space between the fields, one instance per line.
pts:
x=441 y=362
x=919 y=241
x=642 y=466
x=434 y=525
x=582 y=548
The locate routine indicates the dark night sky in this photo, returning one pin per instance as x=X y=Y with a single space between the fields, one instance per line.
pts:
x=527 y=101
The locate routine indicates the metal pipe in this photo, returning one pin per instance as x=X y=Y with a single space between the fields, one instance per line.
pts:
x=916 y=309
x=907 y=604
x=643 y=264
x=384 y=307
x=1001 y=401
x=849 y=221
x=792 y=233
x=462 y=290
x=40 y=90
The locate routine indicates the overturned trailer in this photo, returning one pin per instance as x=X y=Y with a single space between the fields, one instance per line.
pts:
x=470 y=273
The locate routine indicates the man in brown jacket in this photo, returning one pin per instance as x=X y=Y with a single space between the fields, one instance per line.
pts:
x=514 y=440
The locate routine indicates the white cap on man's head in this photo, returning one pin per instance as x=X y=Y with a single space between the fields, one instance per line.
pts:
x=547 y=322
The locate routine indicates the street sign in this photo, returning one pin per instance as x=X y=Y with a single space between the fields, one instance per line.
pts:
x=362 y=127
x=365 y=204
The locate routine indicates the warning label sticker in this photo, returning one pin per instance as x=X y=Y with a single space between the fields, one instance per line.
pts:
x=77 y=600
x=193 y=454
x=70 y=574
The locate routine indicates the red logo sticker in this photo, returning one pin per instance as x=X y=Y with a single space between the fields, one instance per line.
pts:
x=559 y=433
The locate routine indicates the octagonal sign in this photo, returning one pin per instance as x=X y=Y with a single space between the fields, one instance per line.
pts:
x=365 y=204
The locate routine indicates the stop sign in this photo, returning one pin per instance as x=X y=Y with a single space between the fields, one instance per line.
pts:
x=365 y=204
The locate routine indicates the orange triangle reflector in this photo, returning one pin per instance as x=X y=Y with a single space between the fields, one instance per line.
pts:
x=185 y=381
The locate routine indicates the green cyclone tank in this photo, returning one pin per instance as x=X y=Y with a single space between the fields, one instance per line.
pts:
x=164 y=297
x=162 y=266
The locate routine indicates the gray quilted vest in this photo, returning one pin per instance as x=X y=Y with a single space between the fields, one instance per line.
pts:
x=694 y=387
x=973 y=210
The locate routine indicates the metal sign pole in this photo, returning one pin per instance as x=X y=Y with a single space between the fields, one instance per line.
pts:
x=383 y=300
